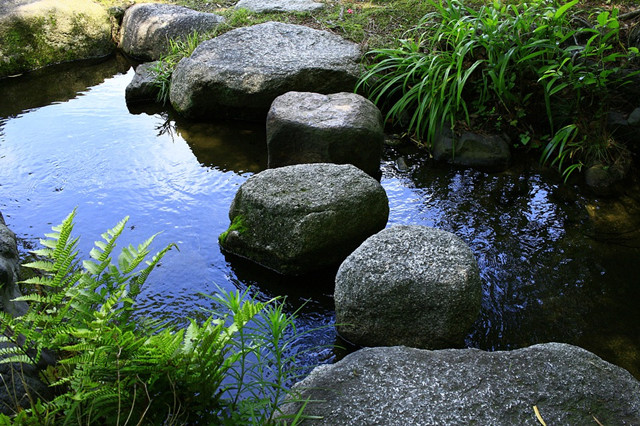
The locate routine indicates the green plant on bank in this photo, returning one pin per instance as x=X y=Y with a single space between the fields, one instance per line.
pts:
x=114 y=368
x=505 y=63
x=164 y=67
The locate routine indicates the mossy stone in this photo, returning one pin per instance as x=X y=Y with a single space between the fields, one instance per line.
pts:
x=39 y=33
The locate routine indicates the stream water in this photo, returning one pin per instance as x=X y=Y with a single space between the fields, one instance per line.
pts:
x=557 y=264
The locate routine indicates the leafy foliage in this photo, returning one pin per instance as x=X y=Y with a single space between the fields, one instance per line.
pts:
x=505 y=63
x=113 y=368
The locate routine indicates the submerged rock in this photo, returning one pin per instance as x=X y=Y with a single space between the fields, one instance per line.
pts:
x=408 y=285
x=36 y=33
x=148 y=27
x=239 y=74
x=270 y=6
x=400 y=386
x=301 y=218
x=342 y=128
x=604 y=180
x=490 y=152
x=143 y=88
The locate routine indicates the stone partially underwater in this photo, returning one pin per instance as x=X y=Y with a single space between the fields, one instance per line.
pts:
x=342 y=128
x=408 y=285
x=301 y=218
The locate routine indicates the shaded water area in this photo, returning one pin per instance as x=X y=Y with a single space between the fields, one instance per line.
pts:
x=557 y=264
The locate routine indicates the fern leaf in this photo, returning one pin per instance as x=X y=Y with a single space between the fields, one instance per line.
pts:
x=131 y=257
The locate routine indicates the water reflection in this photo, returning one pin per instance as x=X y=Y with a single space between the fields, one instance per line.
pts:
x=556 y=265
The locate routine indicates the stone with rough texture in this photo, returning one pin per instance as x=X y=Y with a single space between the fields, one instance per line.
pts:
x=16 y=379
x=399 y=386
x=605 y=180
x=9 y=268
x=408 y=285
x=148 y=27
x=239 y=74
x=142 y=88
x=36 y=33
x=342 y=128
x=300 y=218
x=473 y=150
x=270 y=6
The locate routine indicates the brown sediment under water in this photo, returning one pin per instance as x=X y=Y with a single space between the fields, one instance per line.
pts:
x=557 y=263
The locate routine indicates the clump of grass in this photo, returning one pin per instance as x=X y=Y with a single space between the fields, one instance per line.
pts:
x=499 y=63
x=164 y=67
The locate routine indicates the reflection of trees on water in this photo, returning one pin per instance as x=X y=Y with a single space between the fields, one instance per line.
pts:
x=57 y=83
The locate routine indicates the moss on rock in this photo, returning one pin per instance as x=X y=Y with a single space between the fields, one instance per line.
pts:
x=44 y=32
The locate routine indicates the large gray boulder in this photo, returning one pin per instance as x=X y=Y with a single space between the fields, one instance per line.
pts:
x=489 y=152
x=408 y=285
x=239 y=74
x=36 y=33
x=300 y=218
x=271 y=6
x=400 y=386
x=9 y=268
x=343 y=128
x=148 y=27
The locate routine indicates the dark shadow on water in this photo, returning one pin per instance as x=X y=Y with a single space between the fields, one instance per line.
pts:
x=57 y=83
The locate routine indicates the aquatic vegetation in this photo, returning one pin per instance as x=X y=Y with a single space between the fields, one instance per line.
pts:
x=113 y=367
x=506 y=63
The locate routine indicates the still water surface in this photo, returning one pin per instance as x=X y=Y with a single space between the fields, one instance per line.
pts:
x=557 y=265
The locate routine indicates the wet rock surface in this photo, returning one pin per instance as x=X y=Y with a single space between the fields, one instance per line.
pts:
x=403 y=386
x=238 y=74
x=342 y=128
x=300 y=218
x=490 y=152
x=9 y=269
x=408 y=285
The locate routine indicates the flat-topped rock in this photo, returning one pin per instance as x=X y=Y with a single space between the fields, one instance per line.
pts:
x=239 y=74
x=342 y=128
x=148 y=27
x=300 y=218
x=398 y=386
x=36 y=33
x=408 y=285
x=270 y=6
